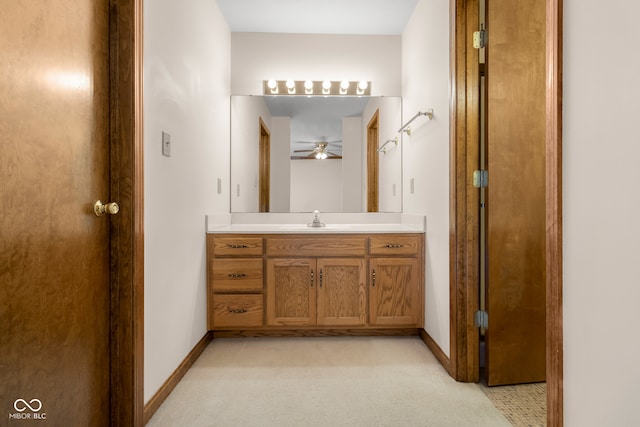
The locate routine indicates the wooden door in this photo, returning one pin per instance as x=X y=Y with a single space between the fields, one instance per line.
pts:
x=54 y=252
x=373 y=163
x=264 y=168
x=342 y=298
x=291 y=292
x=393 y=291
x=515 y=338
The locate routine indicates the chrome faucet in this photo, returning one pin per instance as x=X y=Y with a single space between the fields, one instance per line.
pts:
x=316 y=220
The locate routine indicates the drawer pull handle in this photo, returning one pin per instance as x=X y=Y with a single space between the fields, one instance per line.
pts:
x=394 y=246
x=312 y=277
x=321 y=278
x=373 y=278
x=237 y=275
x=237 y=310
x=238 y=246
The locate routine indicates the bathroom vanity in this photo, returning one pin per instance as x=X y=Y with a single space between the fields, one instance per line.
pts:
x=275 y=279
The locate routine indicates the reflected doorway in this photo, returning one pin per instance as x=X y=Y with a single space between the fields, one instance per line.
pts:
x=265 y=168
x=372 y=163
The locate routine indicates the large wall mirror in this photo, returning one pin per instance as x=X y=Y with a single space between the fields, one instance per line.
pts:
x=299 y=153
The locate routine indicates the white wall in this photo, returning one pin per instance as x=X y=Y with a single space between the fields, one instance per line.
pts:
x=601 y=202
x=425 y=84
x=186 y=93
x=389 y=163
x=316 y=184
x=260 y=56
x=280 y=168
x=246 y=112
x=352 y=175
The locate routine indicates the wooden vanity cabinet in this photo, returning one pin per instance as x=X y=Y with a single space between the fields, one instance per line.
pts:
x=235 y=280
x=342 y=292
x=284 y=282
x=396 y=276
x=291 y=295
x=316 y=292
x=326 y=289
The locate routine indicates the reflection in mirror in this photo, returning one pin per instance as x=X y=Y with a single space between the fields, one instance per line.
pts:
x=317 y=156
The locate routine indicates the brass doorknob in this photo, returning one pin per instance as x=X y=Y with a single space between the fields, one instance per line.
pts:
x=105 y=208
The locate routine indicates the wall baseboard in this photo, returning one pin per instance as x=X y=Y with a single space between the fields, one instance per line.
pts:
x=163 y=392
x=436 y=350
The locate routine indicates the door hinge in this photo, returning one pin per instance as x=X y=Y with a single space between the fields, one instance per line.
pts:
x=479 y=38
x=481 y=319
x=480 y=178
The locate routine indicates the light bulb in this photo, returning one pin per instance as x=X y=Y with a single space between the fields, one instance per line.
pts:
x=271 y=84
x=344 y=84
x=363 y=84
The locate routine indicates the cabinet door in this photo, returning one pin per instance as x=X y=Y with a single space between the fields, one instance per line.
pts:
x=342 y=298
x=394 y=291
x=291 y=293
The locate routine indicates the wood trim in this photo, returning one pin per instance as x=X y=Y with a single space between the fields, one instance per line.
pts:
x=127 y=237
x=165 y=390
x=264 y=166
x=464 y=199
x=435 y=349
x=555 y=359
x=373 y=163
x=459 y=289
x=315 y=332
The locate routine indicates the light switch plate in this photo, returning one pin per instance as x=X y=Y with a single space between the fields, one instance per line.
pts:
x=166 y=144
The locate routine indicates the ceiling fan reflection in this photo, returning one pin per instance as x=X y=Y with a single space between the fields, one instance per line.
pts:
x=320 y=152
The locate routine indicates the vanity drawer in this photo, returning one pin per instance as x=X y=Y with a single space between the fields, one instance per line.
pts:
x=237 y=246
x=316 y=246
x=238 y=311
x=388 y=244
x=237 y=275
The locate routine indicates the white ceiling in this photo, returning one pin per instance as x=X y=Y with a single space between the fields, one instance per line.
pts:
x=384 y=17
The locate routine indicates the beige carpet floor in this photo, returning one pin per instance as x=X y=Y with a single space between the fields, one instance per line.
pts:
x=333 y=381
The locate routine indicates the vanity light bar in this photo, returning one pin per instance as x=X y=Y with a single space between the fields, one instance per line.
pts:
x=316 y=87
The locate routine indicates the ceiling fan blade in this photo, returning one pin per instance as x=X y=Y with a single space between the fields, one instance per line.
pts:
x=334 y=154
x=304 y=151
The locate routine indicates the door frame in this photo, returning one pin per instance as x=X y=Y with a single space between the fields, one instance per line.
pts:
x=264 y=167
x=463 y=202
x=373 y=163
x=126 y=231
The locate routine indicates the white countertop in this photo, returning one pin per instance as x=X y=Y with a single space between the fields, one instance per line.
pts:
x=294 y=223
